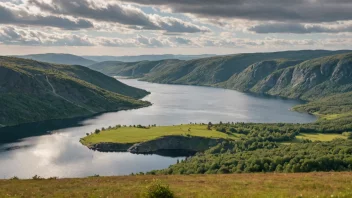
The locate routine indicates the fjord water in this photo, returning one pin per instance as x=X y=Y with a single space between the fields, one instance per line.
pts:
x=54 y=148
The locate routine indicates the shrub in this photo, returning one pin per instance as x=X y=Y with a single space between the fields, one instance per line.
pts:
x=36 y=177
x=158 y=190
x=97 y=131
x=14 y=178
x=221 y=129
x=348 y=135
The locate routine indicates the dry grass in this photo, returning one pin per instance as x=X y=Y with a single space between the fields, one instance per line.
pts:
x=236 y=185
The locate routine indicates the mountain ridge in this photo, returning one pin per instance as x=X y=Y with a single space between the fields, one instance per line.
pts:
x=256 y=72
x=58 y=58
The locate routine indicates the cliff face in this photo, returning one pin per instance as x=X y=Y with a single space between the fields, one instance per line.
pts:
x=194 y=144
x=253 y=74
x=175 y=143
x=110 y=147
x=310 y=79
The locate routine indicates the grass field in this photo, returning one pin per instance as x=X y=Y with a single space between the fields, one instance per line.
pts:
x=135 y=135
x=235 y=185
x=319 y=136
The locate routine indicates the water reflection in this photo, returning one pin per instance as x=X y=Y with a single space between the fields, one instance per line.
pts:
x=53 y=149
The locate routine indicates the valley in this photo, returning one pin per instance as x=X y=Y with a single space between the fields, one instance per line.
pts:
x=228 y=132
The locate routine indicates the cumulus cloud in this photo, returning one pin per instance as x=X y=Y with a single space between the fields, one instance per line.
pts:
x=20 y=15
x=310 y=11
x=15 y=36
x=117 y=13
x=297 y=28
x=10 y=35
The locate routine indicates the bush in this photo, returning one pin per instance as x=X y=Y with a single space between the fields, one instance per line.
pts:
x=348 y=135
x=97 y=131
x=36 y=177
x=158 y=190
x=14 y=178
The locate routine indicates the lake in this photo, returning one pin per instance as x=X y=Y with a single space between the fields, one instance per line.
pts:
x=52 y=148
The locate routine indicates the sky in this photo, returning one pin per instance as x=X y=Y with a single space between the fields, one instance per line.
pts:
x=135 y=27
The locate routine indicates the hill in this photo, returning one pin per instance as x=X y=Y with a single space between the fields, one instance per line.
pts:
x=67 y=59
x=146 y=57
x=34 y=91
x=134 y=69
x=332 y=184
x=270 y=73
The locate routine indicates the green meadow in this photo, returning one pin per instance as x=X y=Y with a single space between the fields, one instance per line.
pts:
x=134 y=134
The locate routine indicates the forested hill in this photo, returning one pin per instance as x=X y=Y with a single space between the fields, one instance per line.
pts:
x=34 y=91
x=294 y=74
x=67 y=59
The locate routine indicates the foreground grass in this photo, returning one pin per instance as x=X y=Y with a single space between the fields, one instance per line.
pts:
x=135 y=135
x=235 y=185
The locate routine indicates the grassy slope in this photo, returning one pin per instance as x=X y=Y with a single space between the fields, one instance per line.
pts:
x=294 y=74
x=236 y=185
x=206 y=71
x=34 y=91
x=136 y=135
x=133 y=69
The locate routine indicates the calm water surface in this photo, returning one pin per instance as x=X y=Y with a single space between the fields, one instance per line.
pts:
x=55 y=149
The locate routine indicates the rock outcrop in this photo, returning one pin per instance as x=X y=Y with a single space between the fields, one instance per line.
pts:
x=110 y=147
x=175 y=143
x=192 y=143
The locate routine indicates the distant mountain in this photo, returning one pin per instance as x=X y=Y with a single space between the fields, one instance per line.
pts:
x=134 y=69
x=146 y=57
x=33 y=91
x=67 y=59
x=294 y=74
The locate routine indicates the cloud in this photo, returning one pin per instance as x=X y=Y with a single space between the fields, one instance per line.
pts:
x=309 y=11
x=117 y=13
x=299 y=28
x=180 y=41
x=10 y=35
x=15 y=36
x=19 y=15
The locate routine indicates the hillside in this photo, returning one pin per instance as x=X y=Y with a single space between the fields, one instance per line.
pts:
x=278 y=73
x=146 y=57
x=34 y=91
x=134 y=69
x=67 y=59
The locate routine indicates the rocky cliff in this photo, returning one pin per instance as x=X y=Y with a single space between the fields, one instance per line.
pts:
x=192 y=143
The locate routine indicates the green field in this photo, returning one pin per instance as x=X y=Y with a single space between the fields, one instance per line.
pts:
x=136 y=135
x=338 y=184
x=319 y=136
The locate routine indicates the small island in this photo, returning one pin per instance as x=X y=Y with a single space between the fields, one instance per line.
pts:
x=150 y=139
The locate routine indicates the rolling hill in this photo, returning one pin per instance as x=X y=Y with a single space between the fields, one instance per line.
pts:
x=67 y=59
x=146 y=57
x=35 y=91
x=271 y=73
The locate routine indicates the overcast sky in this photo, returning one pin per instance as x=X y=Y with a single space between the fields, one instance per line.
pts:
x=133 y=27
